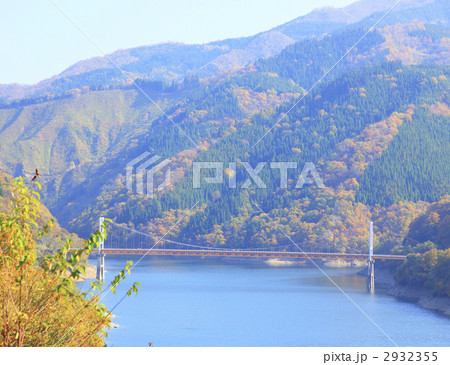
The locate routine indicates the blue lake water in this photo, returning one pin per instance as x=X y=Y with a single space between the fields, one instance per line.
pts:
x=205 y=302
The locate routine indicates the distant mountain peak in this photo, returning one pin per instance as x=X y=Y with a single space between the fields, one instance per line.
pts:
x=356 y=11
x=167 y=61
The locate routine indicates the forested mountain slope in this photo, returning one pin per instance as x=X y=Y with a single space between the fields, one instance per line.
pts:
x=428 y=246
x=345 y=127
x=367 y=121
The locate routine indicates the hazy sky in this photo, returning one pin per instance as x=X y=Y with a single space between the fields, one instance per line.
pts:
x=37 y=41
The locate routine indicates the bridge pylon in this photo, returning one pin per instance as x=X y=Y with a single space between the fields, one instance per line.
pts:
x=371 y=263
x=100 y=254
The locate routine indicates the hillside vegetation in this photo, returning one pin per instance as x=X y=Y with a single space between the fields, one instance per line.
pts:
x=376 y=130
x=428 y=241
x=46 y=244
x=343 y=130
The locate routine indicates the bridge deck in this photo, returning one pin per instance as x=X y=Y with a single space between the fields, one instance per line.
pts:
x=244 y=253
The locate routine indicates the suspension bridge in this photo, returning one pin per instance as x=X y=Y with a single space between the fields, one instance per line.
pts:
x=122 y=240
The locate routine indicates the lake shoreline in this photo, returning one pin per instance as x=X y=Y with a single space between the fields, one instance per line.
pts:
x=91 y=273
x=422 y=297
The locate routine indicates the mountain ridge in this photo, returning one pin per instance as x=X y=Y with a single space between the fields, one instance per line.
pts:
x=216 y=56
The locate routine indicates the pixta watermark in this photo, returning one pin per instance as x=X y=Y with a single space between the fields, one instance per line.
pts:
x=252 y=176
x=142 y=165
x=145 y=167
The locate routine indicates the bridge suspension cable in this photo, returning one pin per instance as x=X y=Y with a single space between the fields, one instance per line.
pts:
x=118 y=239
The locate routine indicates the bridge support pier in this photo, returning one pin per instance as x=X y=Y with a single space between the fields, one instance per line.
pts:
x=101 y=267
x=371 y=276
x=371 y=263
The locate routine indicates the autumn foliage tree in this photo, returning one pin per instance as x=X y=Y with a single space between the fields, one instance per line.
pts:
x=39 y=302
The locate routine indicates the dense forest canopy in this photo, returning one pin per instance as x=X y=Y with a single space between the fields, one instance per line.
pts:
x=428 y=244
x=375 y=128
